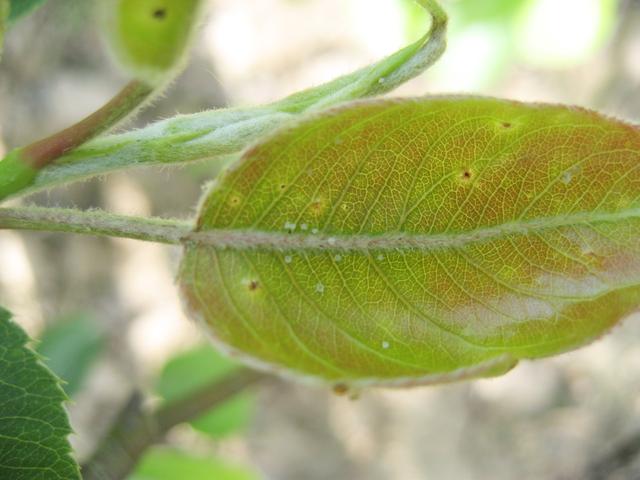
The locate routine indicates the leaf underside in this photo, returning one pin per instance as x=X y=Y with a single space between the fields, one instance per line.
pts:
x=33 y=424
x=400 y=242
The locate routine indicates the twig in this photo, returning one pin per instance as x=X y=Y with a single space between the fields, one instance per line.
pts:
x=622 y=456
x=128 y=100
x=134 y=430
x=19 y=168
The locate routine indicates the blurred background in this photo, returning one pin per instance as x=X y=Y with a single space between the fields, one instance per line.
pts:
x=107 y=312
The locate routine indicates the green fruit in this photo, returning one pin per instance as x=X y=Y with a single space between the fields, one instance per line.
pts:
x=150 y=37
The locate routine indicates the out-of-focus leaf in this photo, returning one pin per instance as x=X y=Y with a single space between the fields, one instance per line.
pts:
x=70 y=348
x=33 y=424
x=466 y=12
x=556 y=34
x=168 y=464
x=195 y=369
x=487 y=10
x=401 y=242
x=20 y=8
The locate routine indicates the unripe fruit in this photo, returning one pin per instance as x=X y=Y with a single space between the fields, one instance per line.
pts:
x=150 y=37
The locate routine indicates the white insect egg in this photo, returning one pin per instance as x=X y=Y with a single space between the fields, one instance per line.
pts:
x=304 y=227
x=315 y=231
x=290 y=226
x=380 y=257
x=337 y=258
x=288 y=259
x=385 y=345
x=319 y=288
x=381 y=80
x=331 y=241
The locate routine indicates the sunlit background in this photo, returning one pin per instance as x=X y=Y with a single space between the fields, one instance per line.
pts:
x=113 y=303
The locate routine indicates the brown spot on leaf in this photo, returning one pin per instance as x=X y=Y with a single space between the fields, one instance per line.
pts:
x=253 y=285
x=316 y=207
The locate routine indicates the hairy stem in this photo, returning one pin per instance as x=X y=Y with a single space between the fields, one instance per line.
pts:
x=94 y=222
x=19 y=169
x=135 y=430
x=171 y=231
x=220 y=133
x=43 y=152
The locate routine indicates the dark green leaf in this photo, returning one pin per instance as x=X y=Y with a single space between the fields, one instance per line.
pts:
x=166 y=464
x=70 y=348
x=194 y=369
x=19 y=8
x=33 y=424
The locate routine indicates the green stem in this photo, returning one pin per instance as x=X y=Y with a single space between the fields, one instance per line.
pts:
x=43 y=152
x=95 y=222
x=221 y=133
x=20 y=167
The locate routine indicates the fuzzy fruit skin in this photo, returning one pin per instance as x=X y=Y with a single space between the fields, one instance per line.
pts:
x=150 y=37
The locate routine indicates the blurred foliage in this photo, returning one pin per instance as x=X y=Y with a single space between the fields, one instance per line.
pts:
x=169 y=464
x=488 y=36
x=563 y=34
x=70 y=347
x=195 y=369
x=22 y=7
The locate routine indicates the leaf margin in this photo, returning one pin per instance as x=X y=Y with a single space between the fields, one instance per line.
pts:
x=16 y=341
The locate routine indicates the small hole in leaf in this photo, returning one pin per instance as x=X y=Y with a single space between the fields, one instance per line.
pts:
x=253 y=285
x=160 y=13
x=466 y=175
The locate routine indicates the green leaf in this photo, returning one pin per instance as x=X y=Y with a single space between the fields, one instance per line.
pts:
x=33 y=424
x=20 y=8
x=225 y=132
x=168 y=464
x=70 y=348
x=416 y=241
x=195 y=369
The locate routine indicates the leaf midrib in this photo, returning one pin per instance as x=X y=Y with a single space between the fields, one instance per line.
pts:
x=269 y=240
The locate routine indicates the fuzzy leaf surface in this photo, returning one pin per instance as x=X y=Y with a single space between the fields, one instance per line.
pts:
x=400 y=242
